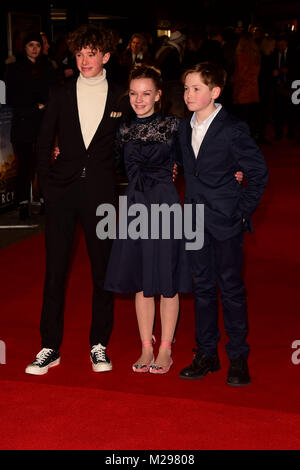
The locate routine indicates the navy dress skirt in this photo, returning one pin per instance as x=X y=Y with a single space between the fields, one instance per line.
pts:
x=153 y=265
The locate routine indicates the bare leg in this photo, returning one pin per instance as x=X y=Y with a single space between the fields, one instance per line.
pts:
x=145 y=311
x=169 y=309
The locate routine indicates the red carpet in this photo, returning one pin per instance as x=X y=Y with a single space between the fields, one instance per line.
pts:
x=73 y=408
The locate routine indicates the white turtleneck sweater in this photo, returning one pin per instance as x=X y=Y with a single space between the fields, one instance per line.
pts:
x=91 y=100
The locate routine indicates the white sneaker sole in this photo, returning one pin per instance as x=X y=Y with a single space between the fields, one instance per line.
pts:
x=101 y=367
x=36 y=370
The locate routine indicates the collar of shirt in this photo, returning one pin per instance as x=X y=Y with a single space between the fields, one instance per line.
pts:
x=92 y=81
x=199 y=129
x=137 y=56
x=208 y=120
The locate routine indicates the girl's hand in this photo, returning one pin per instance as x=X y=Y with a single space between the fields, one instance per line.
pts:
x=55 y=153
x=239 y=175
x=175 y=172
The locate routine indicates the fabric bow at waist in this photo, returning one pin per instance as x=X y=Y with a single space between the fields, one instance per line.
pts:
x=147 y=177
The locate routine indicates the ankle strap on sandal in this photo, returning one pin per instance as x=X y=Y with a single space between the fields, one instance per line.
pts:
x=149 y=342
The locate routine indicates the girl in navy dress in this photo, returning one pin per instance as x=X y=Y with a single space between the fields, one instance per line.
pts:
x=149 y=267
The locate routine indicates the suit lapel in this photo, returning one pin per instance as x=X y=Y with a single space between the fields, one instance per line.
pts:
x=213 y=129
x=74 y=111
x=106 y=114
x=188 y=141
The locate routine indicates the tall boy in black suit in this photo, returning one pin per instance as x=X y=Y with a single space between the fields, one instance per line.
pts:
x=84 y=114
x=214 y=145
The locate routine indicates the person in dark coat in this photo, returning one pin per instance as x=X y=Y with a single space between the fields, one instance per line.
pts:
x=28 y=83
x=285 y=71
x=136 y=54
x=169 y=60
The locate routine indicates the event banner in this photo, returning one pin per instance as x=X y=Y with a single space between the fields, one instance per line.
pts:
x=8 y=162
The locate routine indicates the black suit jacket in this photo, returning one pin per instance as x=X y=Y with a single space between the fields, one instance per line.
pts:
x=61 y=126
x=28 y=85
x=226 y=148
x=291 y=64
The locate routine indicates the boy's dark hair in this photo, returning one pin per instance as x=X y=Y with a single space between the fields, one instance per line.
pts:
x=147 y=71
x=92 y=36
x=212 y=74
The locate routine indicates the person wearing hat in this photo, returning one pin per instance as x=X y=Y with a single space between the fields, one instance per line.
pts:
x=28 y=82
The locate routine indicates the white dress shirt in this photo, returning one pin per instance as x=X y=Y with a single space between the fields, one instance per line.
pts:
x=280 y=57
x=137 y=56
x=200 y=129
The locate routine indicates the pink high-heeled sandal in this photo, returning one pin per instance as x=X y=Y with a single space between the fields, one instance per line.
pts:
x=143 y=368
x=155 y=369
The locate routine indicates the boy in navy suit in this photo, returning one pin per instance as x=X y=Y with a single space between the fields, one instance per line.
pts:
x=214 y=145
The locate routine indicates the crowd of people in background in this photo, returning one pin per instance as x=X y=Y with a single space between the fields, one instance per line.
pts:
x=260 y=65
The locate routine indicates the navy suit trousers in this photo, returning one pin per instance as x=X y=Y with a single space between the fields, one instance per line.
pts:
x=218 y=265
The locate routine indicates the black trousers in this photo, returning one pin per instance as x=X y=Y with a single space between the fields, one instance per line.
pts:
x=25 y=153
x=249 y=112
x=61 y=220
x=219 y=263
x=284 y=114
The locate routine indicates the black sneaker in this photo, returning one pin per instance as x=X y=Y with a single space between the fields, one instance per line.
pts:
x=100 y=361
x=45 y=359
x=201 y=365
x=238 y=373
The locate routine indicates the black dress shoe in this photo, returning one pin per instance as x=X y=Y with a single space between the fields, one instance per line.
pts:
x=200 y=366
x=238 y=373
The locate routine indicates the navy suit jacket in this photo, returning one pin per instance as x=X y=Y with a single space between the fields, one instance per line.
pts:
x=226 y=148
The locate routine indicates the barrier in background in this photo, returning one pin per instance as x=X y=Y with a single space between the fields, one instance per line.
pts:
x=8 y=162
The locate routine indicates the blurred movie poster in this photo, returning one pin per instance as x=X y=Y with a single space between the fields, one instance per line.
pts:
x=8 y=162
